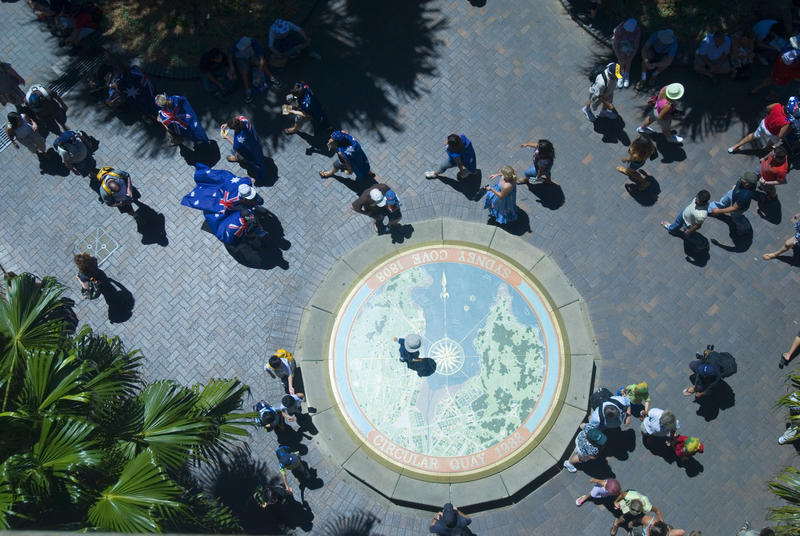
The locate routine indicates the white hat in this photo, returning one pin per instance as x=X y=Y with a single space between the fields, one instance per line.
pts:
x=412 y=342
x=246 y=191
x=378 y=197
x=629 y=25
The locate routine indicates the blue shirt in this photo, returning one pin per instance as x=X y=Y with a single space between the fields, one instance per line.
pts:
x=742 y=197
x=253 y=45
x=405 y=355
x=310 y=105
x=660 y=48
x=356 y=158
x=467 y=156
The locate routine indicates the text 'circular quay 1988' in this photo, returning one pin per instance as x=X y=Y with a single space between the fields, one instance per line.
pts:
x=503 y=375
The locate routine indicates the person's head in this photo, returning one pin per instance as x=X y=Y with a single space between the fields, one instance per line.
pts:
x=766 y=531
x=35 y=100
x=636 y=507
x=268 y=418
x=659 y=528
x=693 y=445
x=674 y=91
x=288 y=401
x=546 y=149
x=667 y=421
x=340 y=138
x=640 y=390
x=274 y=361
x=509 y=175
x=218 y=56
x=113 y=186
x=719 y=37
x=236 y=123
x=779 y=155
x=454 y=143
x=87 y=264
x=281 y=27
x=162 y=100
x=666 y=37
x=596 y=437
x=449 y=515
x=611 y=412
x=299 y=90
x=702 y=198
x=14 y=119
x=641 y=145
x=612 y=486
x=748 y=180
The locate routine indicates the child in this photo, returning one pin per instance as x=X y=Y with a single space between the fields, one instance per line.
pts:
x=292 y=405
x=409 y=348
x=637 y=393
x=270 y=418
x=287 y=459
x=602 y=489
x=639 y=152
x=686 y=447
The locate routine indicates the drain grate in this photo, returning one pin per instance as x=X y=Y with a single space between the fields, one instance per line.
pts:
x=98 y=243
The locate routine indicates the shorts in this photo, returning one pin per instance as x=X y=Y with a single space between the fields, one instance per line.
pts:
x=243 y=64
x=635 y=165
x=665 y=124
x=581 y=458
x=764 y=135
x=599 y=492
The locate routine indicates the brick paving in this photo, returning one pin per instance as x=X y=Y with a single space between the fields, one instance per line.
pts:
x=401 y=79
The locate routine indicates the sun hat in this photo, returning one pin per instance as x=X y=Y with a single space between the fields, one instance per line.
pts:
x=246 y=191
x=630 y=25
x=674 y=91
x=377 y=197
x=412 y=342
x=693 y=445
x=596 y=436
x=666 y=37
x=281 y=27
x=748 y=177
x=636 y=507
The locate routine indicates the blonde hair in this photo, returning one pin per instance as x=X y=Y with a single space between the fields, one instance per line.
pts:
x=641 y=148
x=508 y=173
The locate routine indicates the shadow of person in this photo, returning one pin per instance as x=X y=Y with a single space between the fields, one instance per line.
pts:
x=401 y=233
x=355 y=186
x=691 y=466
x=518 y=227
x=271 y=175
x=468 y=185
x=696 y=249
x=740 y=232
x=305 y=423
x=791 y=260
x=151 y=225
x=548 y=194
x=770 y=210
x=292 y=438
x=204 y=153
x=317 y=143
x=355 y=524
x=424 y=368
x=50 y=164
x=119 y=299
x=721 y=397
x=620 y=444
x=307 y=477
x=612 y=129
x=262 y=253
x=670 y=152
x=597 y=468
x=647 y=197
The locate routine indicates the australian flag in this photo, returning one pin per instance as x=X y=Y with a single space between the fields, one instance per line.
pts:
x=247 y=143
x=181 y=119
x=216 y=193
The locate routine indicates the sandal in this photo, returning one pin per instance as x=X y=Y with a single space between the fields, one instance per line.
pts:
x=686 y=392
x=782 y=361
x=230 y=158
x=580 y=500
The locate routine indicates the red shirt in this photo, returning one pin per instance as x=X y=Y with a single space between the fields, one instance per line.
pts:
x=680 y=443
x=775 y=120
x=772 y=173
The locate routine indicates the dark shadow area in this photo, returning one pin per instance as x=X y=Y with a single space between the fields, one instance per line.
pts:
x=770 y=210
x=50 y=164
x=401 y=233
x=612 y=130
x=740 y=232
x=468 y=185
x=791 y=260
x=235 y=480
x=119 y=299
x=670 y=152
x=518 y=227
x=351 y=183
x=598 y=468
x=305 y=423
x=691 y=466
x=549 y=195
x=620 y=443
x=721 y=397
x=317 y=143
x=203 y=153
x=424 y=368
x=647 y=197
x=262 y=253
x=292 y=438
x=151 y=225
x=658 y=447
x=356 y=524
x=271 y=176
x=696 y=249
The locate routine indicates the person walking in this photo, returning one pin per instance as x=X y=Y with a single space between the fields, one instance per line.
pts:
x=659 y=423
x=633 y=506
x=602 y=489
x=379 y=202
x=461 y=154
x=350 y=157
x=88 y=275
x=501 y=199
x=601 y=93
x=638 y=394
x=588 y=444
x=625 y=42
x=663 y=104
x=73 y=149
x=737 y=199
x=544 y=154
x=48 y=107
x=246 y=146
x=790 y=243
x=282 y=365
x=179 y=119
x=409 y=348
x=691 y=218
x=10 y=82
x=304 y=106
x=774 y=168
x=22 y=129
x=289 y=460
x=639 y=152
x=686 y=447
x=450 y=521
x=116 y=190
x=610 y=413
x=773 y=127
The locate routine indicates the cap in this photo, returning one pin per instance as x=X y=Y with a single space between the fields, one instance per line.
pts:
x=281 y=26
x=243 y=43
x=391 y=198
x=629 y=25
x=674 y=91
x=246 y=191
x=596 y=436
x=666 y=37
x=338 y=136
x=792 y=107
x=377 y=197
x=749 y=177
x=412 y=342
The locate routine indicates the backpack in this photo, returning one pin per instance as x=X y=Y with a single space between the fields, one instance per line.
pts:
x=725 y=363
x=597 y=71
x=267 y=415
x=92 y=292
x=598 y=397
x=287 y=458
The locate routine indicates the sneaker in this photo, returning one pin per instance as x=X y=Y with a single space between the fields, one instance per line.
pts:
x=430 y=174
x=569 y=467
x=626 y=80
x=620 y=83
x=645 y=130
x=248 y=95
x=675 y=139
x=588 y=113
x=731 y=150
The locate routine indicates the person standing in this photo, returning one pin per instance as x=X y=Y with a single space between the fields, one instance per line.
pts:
x=737 y=199
x=460 y=153
x=588 y=443
x=116 y=190
x=691 y=218
x=544 y=154
x=686 y=447
x=281 y=365
x=663 y=111
x=773 y=127
x=659 y=423
x=501 y=199
x=639 y=394
x=10 y=80
x=601 y=93
x=48 y=107
x=379 y=202
x=625 y=43
x=409 y=348
x=774 y=168
x=179 y=119
x=350 y=157
x=72 y=147
x=22 y=129
x=450 y=522
x=88 y=275
x=247 y=149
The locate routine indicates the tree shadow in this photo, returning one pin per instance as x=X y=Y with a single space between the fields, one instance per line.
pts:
x=647 y=197
x=355 y=524
x=612 y=130
x=424 y=368
x=770 y=210
x=468 y=185
x=740 y=232
x=721 y=397
x=119 y=299
x=549 y=195
x=696 y=249
x=263 y=253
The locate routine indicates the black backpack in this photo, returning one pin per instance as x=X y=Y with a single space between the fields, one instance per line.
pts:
x=725 y=363
x=597 y=71
x=598 y=397
x=287 y=458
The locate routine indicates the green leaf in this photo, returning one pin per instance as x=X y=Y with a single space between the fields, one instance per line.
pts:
x=129 y=504
x=221 y=401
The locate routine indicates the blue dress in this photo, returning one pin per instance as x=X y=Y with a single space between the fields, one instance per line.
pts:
x=502 y=209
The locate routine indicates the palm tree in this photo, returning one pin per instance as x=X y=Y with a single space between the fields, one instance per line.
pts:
x=786 y=485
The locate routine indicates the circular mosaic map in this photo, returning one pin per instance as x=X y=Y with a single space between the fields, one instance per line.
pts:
x=490 y=365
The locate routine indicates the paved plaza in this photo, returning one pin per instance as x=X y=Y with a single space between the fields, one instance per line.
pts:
x=400 y=79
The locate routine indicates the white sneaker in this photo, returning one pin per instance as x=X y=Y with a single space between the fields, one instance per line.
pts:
x=675 y=139
x=645 y=130
x=430 y=174
x=626 y=80
x=569 y=467
x=620 y=82
x=588 y=113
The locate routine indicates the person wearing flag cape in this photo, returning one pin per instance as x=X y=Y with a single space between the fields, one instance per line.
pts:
x=247 y=150
x=180 y=120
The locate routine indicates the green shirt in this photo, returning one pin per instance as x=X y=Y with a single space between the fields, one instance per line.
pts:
x=630 y=495
x=636 y=398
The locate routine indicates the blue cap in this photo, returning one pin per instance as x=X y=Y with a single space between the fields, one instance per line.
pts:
x=35 y=101
x=792 y=107
x=707 y=369
x=338 y=136
x=391 y=198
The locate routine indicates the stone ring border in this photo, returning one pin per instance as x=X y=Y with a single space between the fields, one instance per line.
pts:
x=345 y=451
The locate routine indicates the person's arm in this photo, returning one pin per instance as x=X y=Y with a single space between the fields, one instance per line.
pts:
x=436 y=518
x=10 y=134
x=59 y=100
x=692 y=229
x=784 y=129
x=597 y=481
x=223 y=132
x=733 y=208
x=459 y=163
x=130 y=188
x=531 y=145
x=285 y=482
x=291 y=383
x=665 y=111
x=459 y=512
x=271 y=374
x=287 y=416
x=657 y=512
x=619 y=499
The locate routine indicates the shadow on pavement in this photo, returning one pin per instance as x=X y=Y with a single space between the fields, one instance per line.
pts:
x=356 y=524
x=696 y=249
x=740 y=232
x=647 y=197
x=518 y=227
x=550 y=195
x=119 y=299
x=770 y=210
x=613 y=130
x=721 y=397
x=263 y=253
x=151 y=225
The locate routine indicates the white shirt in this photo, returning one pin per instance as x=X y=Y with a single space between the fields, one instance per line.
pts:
x=709 y=48
x=284 y=372
x=604 y=87
x=652 y=422
x=693 y=215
